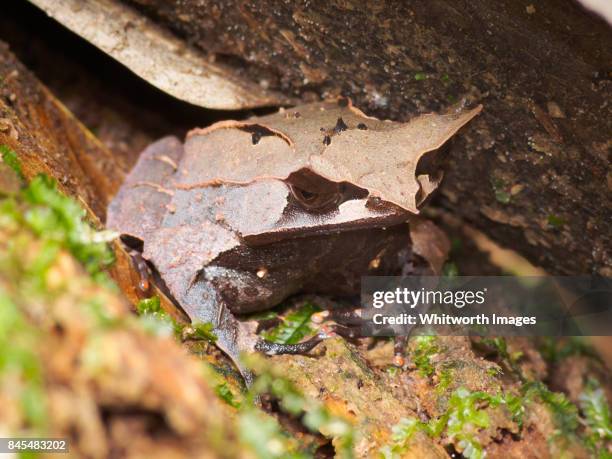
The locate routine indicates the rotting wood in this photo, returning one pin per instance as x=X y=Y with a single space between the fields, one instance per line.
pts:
x=48 y=139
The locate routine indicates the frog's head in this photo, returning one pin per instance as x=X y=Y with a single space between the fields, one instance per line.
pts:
x=325 y=168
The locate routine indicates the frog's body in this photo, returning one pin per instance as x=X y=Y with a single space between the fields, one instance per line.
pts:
x=246 y=214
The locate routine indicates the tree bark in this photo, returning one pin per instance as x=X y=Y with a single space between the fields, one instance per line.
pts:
x=533 y=171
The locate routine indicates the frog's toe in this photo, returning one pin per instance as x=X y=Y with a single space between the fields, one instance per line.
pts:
x=270 y=348
x=346 y=317
x=346 y=331
x=400 y=350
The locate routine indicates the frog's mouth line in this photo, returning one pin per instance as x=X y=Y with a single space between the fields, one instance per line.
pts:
x=298 y=225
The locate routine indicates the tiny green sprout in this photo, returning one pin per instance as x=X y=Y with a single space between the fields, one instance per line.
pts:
x=392 y=370
x=225 y=393
x=500 y=346
x=426 y=347
x=401 y=434
x=204 y=331
x=554 y=221
x=466 y=414
x=420 y=76
x=450 y=269
x=596 y=410
x=294 y=327
x=61 y=219
x=501 y=191
x=9 y=157
x=445 y=379
x=445 y=78
x=565 y=413
x=494 y=371
x=310 y=412
x=150 y=306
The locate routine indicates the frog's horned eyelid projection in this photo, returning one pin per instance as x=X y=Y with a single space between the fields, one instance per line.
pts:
x=329 y=140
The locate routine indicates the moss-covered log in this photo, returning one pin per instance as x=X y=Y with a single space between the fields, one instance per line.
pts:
x=45 y=137
x=48 y=139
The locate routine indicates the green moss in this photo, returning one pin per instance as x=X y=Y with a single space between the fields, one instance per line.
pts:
x=401 y=435
x=41 y=222
x=59 y=219
x=392 y=370
x=450 y=269
x=445 y=379
x=425 y=348
x=150 y=306
x=510 y=360
x=203 y=331
x=565 y=413
x=555 y=351
x=596 y=412
x=465 y=416
x=20 y=364
x=310 y=412
x=160 y=323
x=501 y=191
x=9 y=157
x=554 y=221
x=462 y=420
x=225 y=393
x=494 y=372
x=263 y=435
x=38 y=214
x=294 y=327
x=59 y=222
x=155 y=320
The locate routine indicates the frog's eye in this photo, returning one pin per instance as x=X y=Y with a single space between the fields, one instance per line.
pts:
x=314 y=200
x=317 y=194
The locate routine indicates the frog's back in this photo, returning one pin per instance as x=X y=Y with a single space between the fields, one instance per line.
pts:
x=140 y=205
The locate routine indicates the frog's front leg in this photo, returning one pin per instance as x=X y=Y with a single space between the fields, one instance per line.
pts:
x=203 y=303
x=140 y=265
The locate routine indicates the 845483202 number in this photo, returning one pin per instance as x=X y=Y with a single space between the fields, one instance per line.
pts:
x=49 y=445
